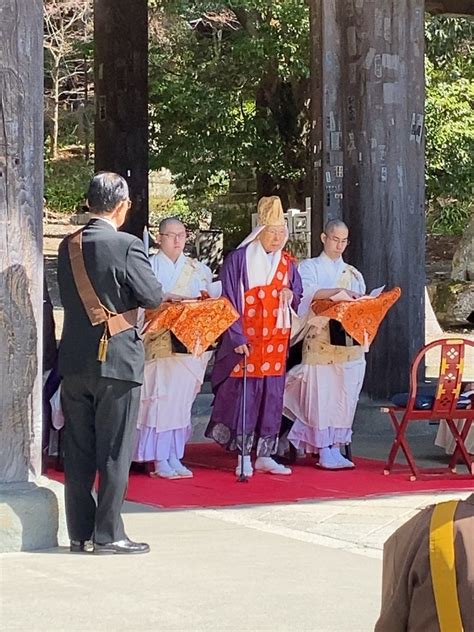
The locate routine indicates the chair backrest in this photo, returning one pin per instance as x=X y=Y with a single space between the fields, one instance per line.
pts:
x=451 y=369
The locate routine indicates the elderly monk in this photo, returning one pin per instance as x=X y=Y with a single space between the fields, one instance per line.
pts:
x=262 y=283
x=172 y=380
x=428 y=572
x=321 y=393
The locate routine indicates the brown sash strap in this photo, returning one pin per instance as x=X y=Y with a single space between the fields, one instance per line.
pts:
x=97 y=313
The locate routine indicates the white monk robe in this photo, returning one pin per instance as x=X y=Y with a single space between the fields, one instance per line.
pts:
x=321 y=394
x=171 y=383
x=444 y=437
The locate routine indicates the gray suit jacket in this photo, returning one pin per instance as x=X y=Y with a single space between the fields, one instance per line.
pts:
x=122 y=277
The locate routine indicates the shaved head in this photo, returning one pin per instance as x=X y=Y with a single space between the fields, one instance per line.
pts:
x=334 y=224
x=335 y=238
x=167 y=222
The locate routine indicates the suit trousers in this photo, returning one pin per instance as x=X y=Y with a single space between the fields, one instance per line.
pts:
x=100 y=417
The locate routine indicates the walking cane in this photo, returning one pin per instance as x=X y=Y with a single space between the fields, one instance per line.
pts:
x=242 y=478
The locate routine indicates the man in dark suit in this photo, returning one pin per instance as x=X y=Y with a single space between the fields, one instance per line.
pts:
x=101 y=366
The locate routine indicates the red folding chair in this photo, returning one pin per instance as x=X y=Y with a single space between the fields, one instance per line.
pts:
x=445 y=406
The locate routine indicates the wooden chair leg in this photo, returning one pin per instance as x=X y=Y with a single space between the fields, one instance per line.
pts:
x=395 y=445
x=401 y=442
x=408 y=453
x=460 y=451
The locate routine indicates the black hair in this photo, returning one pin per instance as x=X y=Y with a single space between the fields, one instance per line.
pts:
x=106 y=191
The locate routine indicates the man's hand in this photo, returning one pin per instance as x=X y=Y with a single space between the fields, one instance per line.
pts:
x=243 y=350
x=286 y=295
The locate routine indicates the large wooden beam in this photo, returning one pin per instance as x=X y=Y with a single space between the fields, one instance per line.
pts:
x=370 y=154
x=21 y=240
x=121 y=86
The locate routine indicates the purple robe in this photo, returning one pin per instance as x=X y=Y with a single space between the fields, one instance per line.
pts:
x=264 y=401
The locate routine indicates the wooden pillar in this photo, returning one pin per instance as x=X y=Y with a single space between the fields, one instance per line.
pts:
x=21 y=240
x=121 y=87
x=327 y=198
x=316 y=91
x=372 y=162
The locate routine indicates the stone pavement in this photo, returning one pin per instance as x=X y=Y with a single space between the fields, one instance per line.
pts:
x=294 y=567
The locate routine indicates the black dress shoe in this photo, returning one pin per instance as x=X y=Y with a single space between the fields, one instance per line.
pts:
x=81 y=546
x=121 y=546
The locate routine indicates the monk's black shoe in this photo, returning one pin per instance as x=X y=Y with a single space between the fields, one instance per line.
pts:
x=120 y=547
x=81 y=546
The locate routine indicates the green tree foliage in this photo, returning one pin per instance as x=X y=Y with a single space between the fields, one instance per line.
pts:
x=65 y=181
x=231 y=94
x=228 y=91
x=449 y=123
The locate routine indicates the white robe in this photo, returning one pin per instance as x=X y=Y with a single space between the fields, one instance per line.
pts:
x=444 y=437
x=321 y=399
x=171 y=384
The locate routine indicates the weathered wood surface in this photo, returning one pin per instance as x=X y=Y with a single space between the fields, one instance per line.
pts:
x=21 y=262
x=318 y=214
x=370 y=154
x=121 y=86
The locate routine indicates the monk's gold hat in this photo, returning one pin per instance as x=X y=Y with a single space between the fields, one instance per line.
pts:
x=270 y=211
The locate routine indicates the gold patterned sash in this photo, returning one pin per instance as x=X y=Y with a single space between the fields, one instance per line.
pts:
x=158 y=344
x=317 y=348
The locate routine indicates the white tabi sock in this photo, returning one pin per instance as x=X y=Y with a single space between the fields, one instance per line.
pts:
x=267 y=464
x=327 y=458
x=248 y=469
x=341 y=460
x=164 y=468
x=181 y=469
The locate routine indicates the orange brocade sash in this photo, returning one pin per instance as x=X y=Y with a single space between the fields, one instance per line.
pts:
x=197 y=324
x=361 y=319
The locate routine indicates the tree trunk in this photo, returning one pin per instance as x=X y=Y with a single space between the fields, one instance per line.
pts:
x=370 y=158
x=121 y=89
x=317 y=210
x=21 y=261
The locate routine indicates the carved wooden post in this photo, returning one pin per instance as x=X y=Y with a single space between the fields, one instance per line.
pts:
x=121 y=87
x=372 y=161
x=21 y=241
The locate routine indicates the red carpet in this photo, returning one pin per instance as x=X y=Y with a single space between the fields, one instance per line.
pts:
x=214 y=483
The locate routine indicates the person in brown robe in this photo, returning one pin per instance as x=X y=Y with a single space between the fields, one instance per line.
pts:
x=408 y=599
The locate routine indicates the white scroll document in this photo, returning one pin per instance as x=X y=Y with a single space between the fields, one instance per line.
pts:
x=344 y=296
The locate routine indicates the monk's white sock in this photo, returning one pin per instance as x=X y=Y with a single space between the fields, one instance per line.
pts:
x=181 y=469
x=341 y=460
x=266 y=461
x=164 y=468
x=174 y=463
x=267 y=464
x=327 y=458
x=248 y=469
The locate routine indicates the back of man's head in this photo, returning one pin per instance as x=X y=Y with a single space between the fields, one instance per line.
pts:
x=106 y=191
